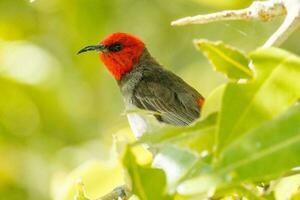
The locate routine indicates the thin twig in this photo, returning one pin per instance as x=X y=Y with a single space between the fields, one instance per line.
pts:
x=258 y=10
x=261 y=10
x=220 y=16
x=290 y=24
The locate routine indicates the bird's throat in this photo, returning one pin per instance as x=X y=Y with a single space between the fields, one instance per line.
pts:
x=122 y=62
x=116 y=65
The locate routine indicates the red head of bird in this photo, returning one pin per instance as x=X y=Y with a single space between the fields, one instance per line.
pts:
x=119 y=52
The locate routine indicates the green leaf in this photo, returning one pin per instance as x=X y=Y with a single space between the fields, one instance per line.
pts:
x=241 y=191
x=213 y=102
x=90 y=173
x=296 y=196
x=81 y=192
x=225 y=59
x=147 y=183
x=168 y=133
x=198 y=136
x=175 y=162
x=264 y=152
x=275 y=88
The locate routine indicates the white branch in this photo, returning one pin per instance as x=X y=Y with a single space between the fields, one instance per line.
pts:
x=258 y=10
x=220 y=16
x=261 y=10
x=289 y=25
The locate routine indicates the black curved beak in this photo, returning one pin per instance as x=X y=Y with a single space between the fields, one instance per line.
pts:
x=99 y=47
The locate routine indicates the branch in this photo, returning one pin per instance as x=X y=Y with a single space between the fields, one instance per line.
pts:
x=289 y=25
x=258 y=10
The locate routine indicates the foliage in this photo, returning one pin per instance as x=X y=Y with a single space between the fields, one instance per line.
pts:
x=147 y=183
x=251 y=140
x=226 y=59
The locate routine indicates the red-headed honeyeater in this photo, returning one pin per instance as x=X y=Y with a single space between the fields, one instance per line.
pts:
x=145 y=84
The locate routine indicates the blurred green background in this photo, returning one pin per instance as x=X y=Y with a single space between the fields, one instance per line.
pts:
x=58 y=111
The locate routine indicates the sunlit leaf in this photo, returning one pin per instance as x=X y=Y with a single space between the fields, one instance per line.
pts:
x=275 y=88
x=287 y=186
x=170 y=132
x=199 y=185
x=92 y=174
x=225 y=59
x=241 y=191
x=213 y=102
x=175 y=162
x=263 y=153
x=198 y=136
x=296 y=196
x=81 y=193
x=147 y=183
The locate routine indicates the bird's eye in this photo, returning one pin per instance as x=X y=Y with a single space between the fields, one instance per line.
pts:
x=115 y=47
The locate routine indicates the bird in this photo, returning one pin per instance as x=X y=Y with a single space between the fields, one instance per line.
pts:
x=147 y=85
